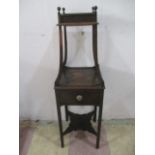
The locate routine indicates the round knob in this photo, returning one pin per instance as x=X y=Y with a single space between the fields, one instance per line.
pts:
x=79 y=98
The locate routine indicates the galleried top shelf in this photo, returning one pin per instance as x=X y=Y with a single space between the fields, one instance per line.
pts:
x=77 y=19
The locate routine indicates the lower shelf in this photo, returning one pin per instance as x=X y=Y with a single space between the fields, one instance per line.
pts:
x=80 y=122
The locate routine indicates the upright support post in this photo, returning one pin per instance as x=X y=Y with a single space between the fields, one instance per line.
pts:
x=95 y=114
x=66 y=112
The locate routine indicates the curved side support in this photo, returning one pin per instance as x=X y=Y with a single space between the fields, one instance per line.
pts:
x=61 y=49
x=94 y=36
x=65 y=44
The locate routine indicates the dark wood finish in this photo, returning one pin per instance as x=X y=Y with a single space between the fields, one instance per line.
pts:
x=66 y=112
x=60 y=120
x=78 y=24
x=77 y=18
x=78 y=85
x=99 y=121
x=70 y=97
x=80 y=122
x=95 y=114
x=80 y=78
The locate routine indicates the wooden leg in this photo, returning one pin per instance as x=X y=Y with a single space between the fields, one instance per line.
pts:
x=60 y=125
x=66 y=112
x=99 y=124
x=95 y=109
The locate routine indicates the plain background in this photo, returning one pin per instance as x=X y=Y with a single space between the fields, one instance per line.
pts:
x=39 y=55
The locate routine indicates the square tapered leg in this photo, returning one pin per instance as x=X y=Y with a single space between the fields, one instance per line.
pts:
x=99 y=124
x=60 y=125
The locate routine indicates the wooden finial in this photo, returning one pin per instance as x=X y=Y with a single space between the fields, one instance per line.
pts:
x=58 y=8
x=94 y=8
x=63 y=9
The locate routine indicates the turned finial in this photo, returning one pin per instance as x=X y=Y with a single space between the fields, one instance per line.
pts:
x=94 y=8
x=63 y=9
x=58 y=8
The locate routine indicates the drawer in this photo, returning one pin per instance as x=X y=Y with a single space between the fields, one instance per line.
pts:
x=79 y=97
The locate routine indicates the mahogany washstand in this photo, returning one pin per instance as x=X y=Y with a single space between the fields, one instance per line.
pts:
x=78 y=85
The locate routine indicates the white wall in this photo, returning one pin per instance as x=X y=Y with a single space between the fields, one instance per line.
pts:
x=39 y=55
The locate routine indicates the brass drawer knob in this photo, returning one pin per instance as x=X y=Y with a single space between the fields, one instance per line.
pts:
x=79 y=98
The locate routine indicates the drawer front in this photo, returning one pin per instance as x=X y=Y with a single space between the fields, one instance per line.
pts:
x=79 y=97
